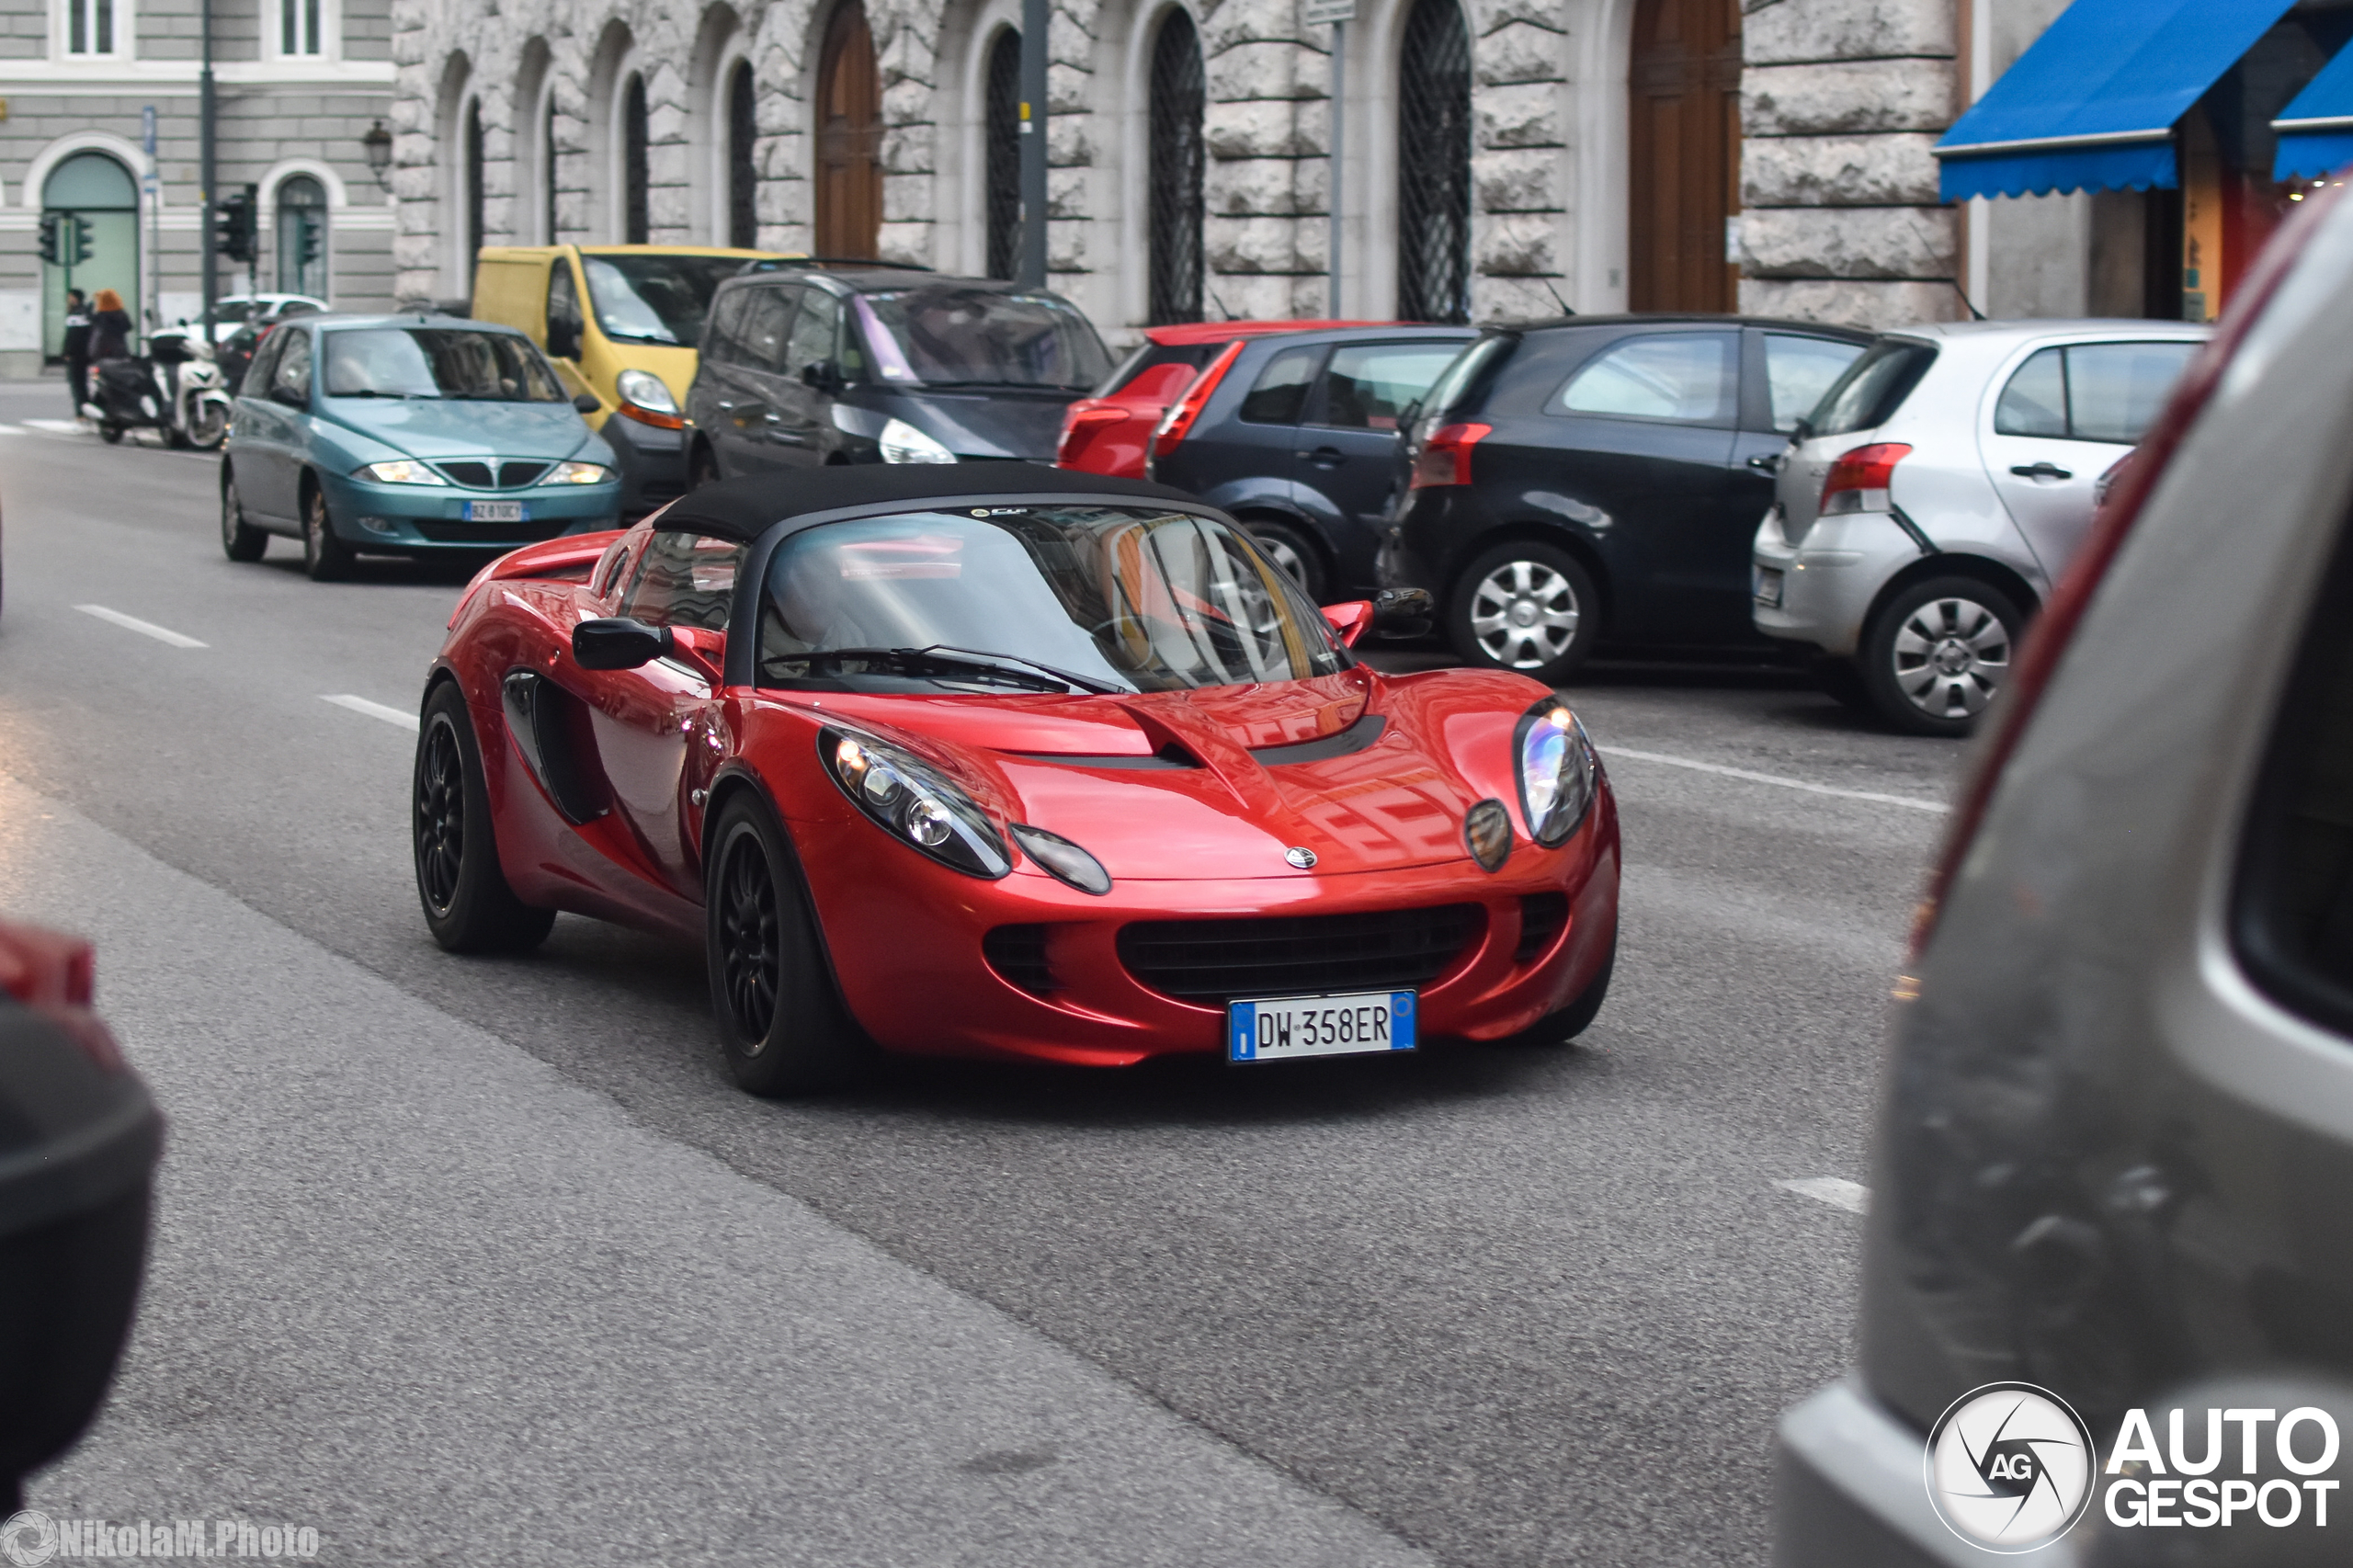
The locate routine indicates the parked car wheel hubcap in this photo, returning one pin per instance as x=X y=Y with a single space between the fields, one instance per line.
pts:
x=1524 y=615
x=1280 y=552
x=747 y=928
x=441 y=817
x=1950 y=656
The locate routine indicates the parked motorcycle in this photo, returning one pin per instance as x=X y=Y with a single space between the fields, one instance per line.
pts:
x=175 y=388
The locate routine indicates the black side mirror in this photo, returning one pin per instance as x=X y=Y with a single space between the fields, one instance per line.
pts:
x=616 y=643
x=1403 y=612
x=1801 y=432
x=587 y=402
x=823 y=375
x=564 y=340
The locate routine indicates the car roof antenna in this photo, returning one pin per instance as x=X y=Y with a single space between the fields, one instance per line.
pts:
x=1556 y=295
x=1218 y=303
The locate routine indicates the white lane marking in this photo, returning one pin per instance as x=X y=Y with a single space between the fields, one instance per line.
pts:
x=11 y=429
x=1912 y=801
x=56 y=426
x=144 y=628
x=1836 y=1191
x=375 y=711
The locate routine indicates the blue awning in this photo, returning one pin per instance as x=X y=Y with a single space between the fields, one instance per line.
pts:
x=2092 y=105
x=2316 y=128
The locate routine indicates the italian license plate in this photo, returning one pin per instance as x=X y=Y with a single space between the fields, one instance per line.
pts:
x=1765 y=585
x=494 y=512
x=1283 y=1027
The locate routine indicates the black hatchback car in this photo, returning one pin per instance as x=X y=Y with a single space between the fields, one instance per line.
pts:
x=1296 y=436
x=801 y=367
x=1600 y=479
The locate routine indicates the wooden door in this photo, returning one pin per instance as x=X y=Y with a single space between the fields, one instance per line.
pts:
x=849 y=138
x=1685 y=99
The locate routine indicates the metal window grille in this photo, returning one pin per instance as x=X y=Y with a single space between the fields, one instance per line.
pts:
x=1179 y=158
x=1434 y=165
x=1002 y=134
x=637 y=223
x=743 y=125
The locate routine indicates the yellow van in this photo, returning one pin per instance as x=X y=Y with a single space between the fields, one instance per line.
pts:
x=622 y=323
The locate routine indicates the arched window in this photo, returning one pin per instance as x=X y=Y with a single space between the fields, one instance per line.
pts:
x=1434 y=164
x=302 y=237
x=473 y=234
x=849 y=138
x=637 y=223
x=1179 y=95
x=547 y=167
x=742 y=128
x=1001 y=148
x=98 y=202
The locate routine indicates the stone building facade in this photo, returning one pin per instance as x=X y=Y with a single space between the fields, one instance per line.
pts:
x=298 y=86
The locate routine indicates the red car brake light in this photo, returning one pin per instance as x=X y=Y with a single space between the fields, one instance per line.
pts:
x=1859 y=480
x=1445 y=458
x=1177 y=423
x=1080 y=421
x=2054 y=628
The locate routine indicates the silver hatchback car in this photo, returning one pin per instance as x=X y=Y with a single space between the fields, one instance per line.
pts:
x=1939 y=488
x=2106 y=1279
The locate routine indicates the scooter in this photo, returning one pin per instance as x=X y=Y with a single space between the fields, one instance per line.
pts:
x=175 y=388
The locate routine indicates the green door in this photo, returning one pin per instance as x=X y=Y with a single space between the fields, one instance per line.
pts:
x=99 y=192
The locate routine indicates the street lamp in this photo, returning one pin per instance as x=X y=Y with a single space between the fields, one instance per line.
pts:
x=379 y=145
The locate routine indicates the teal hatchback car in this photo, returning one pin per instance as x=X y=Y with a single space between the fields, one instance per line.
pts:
x=406 y=435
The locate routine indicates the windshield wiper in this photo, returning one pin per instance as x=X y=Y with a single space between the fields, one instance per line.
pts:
x=939 y=656
x=1022 y=386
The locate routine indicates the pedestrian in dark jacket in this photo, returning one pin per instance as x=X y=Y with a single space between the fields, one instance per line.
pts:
x=77 y=347
x=109 y=327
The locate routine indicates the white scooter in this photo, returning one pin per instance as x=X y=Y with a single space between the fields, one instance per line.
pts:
x=175 y=388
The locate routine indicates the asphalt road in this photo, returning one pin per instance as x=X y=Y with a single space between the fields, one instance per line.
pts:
x=484 y=1261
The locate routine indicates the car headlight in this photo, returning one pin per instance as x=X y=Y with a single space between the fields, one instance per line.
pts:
x=1558 y=773
x=915 y=803
x=647 y=390
x=902 y=443
x=1063 y=859
x=399 y=471
x=577 y=473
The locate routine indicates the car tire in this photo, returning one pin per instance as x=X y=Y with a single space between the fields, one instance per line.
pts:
x=782 y=1026
x=1935 y=655
x=1289 y=547
x=240 y=540
x=1841 y=681
x=1525 y=605
x=467 y=904
x=1559 y=1029
x=324 y=555
x=109 y=433
x=702 y=468
x=212 y=426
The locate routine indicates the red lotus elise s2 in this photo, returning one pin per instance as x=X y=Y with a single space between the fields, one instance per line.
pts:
x=1005 y=761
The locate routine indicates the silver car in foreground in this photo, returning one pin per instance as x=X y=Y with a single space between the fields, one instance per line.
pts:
x=1938 y=490
x=2115 y=1154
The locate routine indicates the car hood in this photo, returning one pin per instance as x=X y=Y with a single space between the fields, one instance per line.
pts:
x=442 y=429
x=1184 y=786
x=1000 y=422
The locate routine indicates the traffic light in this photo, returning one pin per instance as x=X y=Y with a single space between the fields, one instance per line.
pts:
x=49 y=225
x=81 y=240
x=234 y=224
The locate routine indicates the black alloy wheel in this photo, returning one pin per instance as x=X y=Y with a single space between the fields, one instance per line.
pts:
x=1289 y=547
x=240 y=540
x=469 y=906
x=324 y=555
x=782 y=1026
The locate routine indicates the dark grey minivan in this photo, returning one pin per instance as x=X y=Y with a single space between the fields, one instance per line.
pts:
x=802 y=367
x=2107 y=1281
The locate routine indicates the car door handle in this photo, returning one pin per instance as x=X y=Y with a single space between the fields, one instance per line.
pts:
x=725 y=406
x=2044 y=470
x=1325 y=457
x=1765 y=462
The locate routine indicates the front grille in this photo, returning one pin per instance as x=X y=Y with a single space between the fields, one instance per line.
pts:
x=1542 y=915
x=515 y=476
x=529 y=532
x=1217 y=961
x=1019 y=953
x=468 y=474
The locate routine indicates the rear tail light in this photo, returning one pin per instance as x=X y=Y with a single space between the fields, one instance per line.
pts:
x=1859 y=482
x=1177 y=423
x=2111 y=524
x=1079 y=425
x=1445 y=458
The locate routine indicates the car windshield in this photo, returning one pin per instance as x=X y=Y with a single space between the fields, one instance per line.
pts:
x=439 y=362
x=656 y=299
x=954 y=335
x=1129 y=598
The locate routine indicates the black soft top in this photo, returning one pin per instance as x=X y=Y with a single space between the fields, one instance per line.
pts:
x=747 y=507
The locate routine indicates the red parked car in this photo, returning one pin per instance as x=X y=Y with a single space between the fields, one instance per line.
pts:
x=1108 y=432
x=991 y=760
